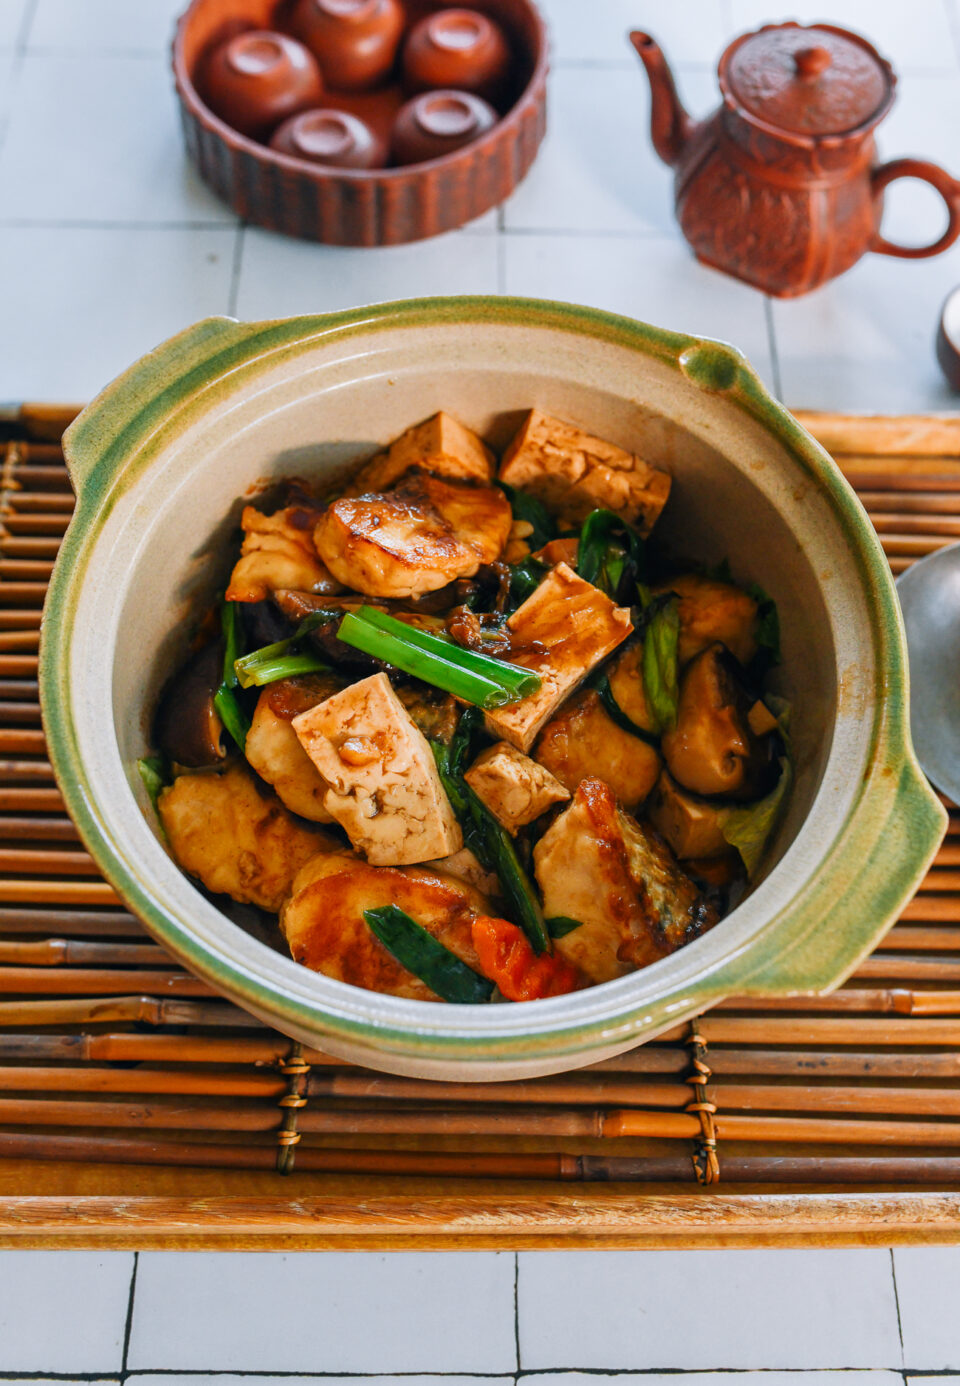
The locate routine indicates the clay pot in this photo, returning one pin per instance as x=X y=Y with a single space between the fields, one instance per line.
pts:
x=458 y=49
x=330 y=137
x=258 y=78
x=437 y=122
x=354 y=41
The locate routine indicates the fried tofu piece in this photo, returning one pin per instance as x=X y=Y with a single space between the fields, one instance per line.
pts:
x=324 y=926
x=573 y=473
x=239 y=841
x=635 y=905
x=710 y=610
x=414 y=539
x=440 y=445
x=692 y=827
x=464 y=866
x=273 y=747
x=583 y=741
x=384 y=788
x=514 y=788
x=278 y=552
x=562 y=631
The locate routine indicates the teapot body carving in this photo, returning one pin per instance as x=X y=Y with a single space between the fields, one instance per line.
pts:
x=780 y=186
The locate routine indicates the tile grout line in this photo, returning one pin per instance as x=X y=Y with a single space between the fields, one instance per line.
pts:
x=516 y=1309
x=896 y=1301
x=528 y=1376
x=128 y=1324
x=235 y=269
x=774 y=350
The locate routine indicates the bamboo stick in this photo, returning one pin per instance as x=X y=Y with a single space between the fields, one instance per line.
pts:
x=18 y=666
x=895 y=1000
x=46 y=421
x=23 y=593
x=837 y=1064
x=37 y=829
x=55 y=952
x=24 y=640
x=912 y=938
x=11 y=712
x=668 y=1168
x=82 y=981
x=21 y=690
x=109 y=1010
x=787 y=1097
x=46 y=501
x=40 y=476
x=29 y=546
x=57 y=892
x=43 y=861
x=85 y=922
x=940 y=880
x=22 y=742
x=896 y=523
x=12 y=770
x=920 y=435
x=52 y=523
x=891 y=501
x=19 y=620
x=261 y=1051
x=899 y=965
x=828 y=1130
x=134 y=1082
x=931 y=909
x=824 y=1029
x=560 y=1091
x=24 y=800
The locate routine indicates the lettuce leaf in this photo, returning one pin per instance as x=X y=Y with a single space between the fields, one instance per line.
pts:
x=749 y=829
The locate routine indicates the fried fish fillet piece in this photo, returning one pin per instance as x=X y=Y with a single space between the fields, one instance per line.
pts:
x=414 y=539
x=711 y=610
x=598 y=865
x=236 y=839
x=278 y=552
x=584 y=741
x=273 y=747
x=324 y=926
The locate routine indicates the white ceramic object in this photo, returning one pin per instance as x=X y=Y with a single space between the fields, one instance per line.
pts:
x=159 y=461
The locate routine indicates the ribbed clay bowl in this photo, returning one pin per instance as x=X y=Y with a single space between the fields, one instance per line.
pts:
x=360 y=206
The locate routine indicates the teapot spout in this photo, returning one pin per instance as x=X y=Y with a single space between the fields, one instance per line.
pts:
x=670 y=125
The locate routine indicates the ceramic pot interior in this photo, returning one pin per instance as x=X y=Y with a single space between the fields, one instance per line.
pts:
x=735 y=488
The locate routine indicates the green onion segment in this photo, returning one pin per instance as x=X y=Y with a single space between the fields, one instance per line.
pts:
x=426 y=957
x=476 y=678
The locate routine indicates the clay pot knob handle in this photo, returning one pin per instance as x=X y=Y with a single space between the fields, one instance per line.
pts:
x=810 y=62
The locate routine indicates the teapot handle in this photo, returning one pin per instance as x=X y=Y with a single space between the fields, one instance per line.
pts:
x=947 y=187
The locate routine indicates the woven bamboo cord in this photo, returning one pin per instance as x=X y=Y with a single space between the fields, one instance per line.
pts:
x=295 y=1069
x=706 y=1161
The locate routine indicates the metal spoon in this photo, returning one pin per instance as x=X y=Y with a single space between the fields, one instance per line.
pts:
x=929 y=594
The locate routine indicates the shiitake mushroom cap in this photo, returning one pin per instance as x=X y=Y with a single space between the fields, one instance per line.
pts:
x=188 y=728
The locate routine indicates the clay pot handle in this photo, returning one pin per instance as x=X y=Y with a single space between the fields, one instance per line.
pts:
x=947 y=187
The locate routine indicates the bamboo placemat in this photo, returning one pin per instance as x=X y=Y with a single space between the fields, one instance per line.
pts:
x=136 y=1107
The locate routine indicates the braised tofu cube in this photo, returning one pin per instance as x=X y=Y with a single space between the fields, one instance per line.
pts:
x=635 y=905
x=278 y=552
x=514 y=788
x=384 y=789
x=562 y=631
x=439 y=444
x=573 y=473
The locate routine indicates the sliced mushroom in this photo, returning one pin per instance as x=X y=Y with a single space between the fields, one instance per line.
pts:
x=710 y=610
x=625 y=676
x=692 y=826
x=188 y=726
x=712 y=749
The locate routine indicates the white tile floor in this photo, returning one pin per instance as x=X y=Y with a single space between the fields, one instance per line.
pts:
x=108 y=243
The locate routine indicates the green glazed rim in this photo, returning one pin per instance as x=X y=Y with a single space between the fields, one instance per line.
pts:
x=895 y=823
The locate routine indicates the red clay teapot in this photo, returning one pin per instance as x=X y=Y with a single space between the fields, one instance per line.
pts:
x=781 y=185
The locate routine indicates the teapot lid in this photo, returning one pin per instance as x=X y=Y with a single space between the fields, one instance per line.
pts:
x=807 y=82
